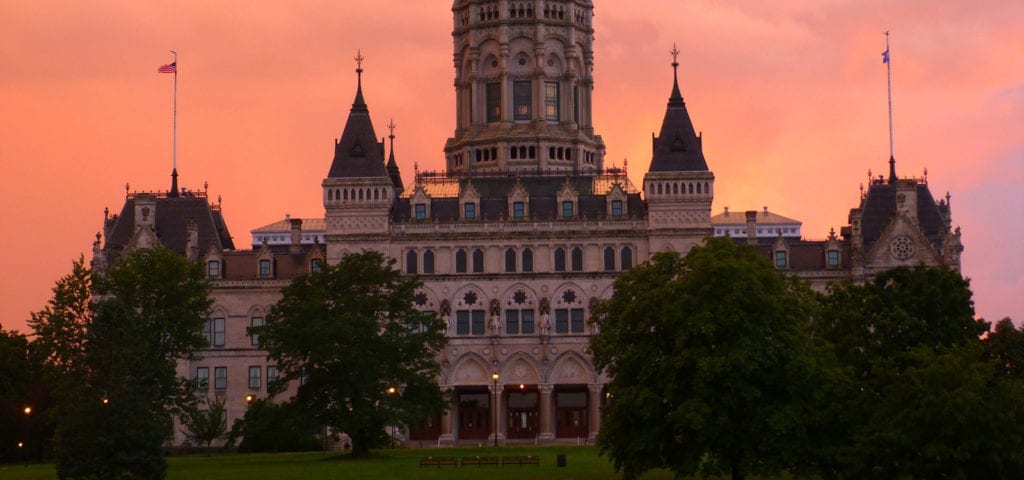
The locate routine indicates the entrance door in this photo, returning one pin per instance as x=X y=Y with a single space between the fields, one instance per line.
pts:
x=571 y=414
x=474 y=415
x=429 y=429
x=523 y=417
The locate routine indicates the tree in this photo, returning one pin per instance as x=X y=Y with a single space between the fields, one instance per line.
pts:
x=112 y=341
x=273 y=427
x=349 y=333
x=710 y=364
x=204 y=425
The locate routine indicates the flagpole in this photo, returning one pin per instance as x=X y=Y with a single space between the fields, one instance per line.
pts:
x=888 y=69
x=174 y=121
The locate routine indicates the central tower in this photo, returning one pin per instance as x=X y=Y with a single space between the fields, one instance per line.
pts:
x=523 y=84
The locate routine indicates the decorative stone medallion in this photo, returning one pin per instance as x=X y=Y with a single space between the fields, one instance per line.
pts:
x=902 y=247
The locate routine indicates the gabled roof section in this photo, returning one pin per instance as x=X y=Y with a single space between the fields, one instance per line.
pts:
x=879 y=208
x=358 y=154
x=172 y=213
x=677 y=148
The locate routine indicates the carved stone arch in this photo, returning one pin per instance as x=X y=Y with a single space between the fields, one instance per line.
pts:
x=563 y=299
x=554 y=65
x=218 y=311
x=490 y=62
x=521 y=368
x=469 y=369
x=469 y=297
x=668 y=248
x=511 y=298
x=258 y=311
x=571 y=368
x=425 y=299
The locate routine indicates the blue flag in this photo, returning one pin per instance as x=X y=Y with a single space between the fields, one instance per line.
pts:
x=885 y=56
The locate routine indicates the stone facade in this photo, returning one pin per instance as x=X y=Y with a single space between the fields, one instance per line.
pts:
x=517 y=240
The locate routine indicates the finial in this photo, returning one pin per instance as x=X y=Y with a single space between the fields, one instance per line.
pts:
x=892 y=169
x=106 y=213
x=206 y=186
x=675 y=55
x=126 y=187
x=862 y=190
x=391 y=128
x=359 y=61
x=625 y=164
x=925 y=174
x=832 y=233
x=219 y=200
x=870 y=175
x=416 y=168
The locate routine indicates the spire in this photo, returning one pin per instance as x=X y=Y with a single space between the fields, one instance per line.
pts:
x=358 y=153
x=892 y=169
x=359 y=103
x=392 y=167
x=677 y=148
x=174 y=183
x=676 y=98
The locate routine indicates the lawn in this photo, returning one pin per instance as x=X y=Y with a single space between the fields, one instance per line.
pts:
x=581 y=462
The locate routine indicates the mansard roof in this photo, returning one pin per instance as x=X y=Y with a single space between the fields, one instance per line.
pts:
x=358 y=154
x=878 y=207
x=677 y=148
x=172 y=213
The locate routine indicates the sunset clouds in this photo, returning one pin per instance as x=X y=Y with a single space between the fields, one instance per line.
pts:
x=790 y=97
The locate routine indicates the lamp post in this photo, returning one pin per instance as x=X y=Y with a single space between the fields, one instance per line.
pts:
x=495 y=377
x=391 y=393
x=21 y=445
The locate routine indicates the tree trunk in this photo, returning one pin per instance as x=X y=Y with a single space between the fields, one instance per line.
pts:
x=359 y=448
x=737 y=472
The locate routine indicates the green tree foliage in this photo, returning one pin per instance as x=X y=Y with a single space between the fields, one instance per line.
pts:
x=710 y=364
x=1005 y=345
x=112 y=341
x=272 y=427
x=205 y=423
x=916 y=393
x=346 y=335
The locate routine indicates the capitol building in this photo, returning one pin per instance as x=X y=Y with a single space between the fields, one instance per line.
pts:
x=518 y=238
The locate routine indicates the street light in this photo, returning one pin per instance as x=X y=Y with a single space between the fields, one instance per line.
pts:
x=495 y=377
x=391 y=393
x=21 y=445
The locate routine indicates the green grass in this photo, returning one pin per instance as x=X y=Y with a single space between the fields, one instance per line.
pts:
x=581 y=462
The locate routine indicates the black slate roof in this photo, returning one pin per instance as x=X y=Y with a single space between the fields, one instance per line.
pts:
x=172 y=213
x=879 y=207
x=677 y=147
x=357 y=153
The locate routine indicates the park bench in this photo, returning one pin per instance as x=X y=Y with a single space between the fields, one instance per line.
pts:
x=478 y=461
x=439 y=462
x=520 y=460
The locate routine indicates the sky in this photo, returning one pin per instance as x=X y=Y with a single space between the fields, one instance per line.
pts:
x=790 y=96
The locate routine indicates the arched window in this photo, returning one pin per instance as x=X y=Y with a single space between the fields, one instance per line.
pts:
x=707 y=188
x=691 y=188
x=698 y=187
x=460 y=261
x=410 y=261
x=428 y=261
x=609 y=258
x=577 y=259
x=330 y=195
x=478 y=261
x=559 y=259
x=344 y=194
x=527 y=260
x=627 y=258
x=675 y=188
x=510 y=260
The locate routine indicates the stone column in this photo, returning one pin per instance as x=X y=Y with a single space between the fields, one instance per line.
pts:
x=447 y=420
x=594 y=408
x=497 y=414
x=546 y=432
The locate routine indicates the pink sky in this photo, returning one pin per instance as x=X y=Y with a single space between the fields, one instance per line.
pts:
x=790 y=96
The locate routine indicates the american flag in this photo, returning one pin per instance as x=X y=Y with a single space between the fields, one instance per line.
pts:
x=169 y=68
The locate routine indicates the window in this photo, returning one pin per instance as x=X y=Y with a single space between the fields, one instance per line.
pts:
x=316 y=265
x=576 y=104
x=493 y=102
x=780 y=259
x=264 y=268
x=567 y=209
x=478 y=261
x=469 y=211
x=833 y=258
x=469 y=322
x=510 y=260
x=527 y=260
x=213 y=269
x=217 y=327
x=616 y=208
x=410 y=261
x=202 y=378
x=207 y=331
x=559 y=259
x=272 y=373
x=220 y=378
x=522 y=99
x=428 y=261
x=519 y=322
x=255 y=380
x=518 y=210
x=460 y=261
x=577 y=259
x=420 y=211
x=551 y=101
x=255 y=322
x=627 y=258
x=609 y=258
x=569 y=320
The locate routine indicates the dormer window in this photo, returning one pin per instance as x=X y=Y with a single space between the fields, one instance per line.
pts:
x=616 y=208
x=833 y=258
x=469 y=211
x=420 y=211
x=266 y=269
x=781 y=259
x=316 y=265
x=518 y=210
x=213 y=269
x=567 y=209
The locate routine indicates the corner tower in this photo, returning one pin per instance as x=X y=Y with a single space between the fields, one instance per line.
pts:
x=523 y=84
x=678 y=186
x=358 y=191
